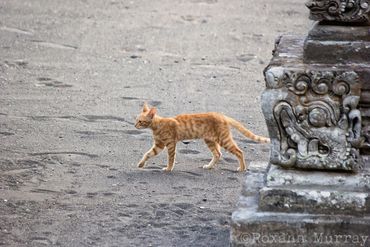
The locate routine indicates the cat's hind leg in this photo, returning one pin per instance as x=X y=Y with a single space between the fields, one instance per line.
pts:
x=155 y=150
x=216 y=152
x=230 y=145
x=171 y=148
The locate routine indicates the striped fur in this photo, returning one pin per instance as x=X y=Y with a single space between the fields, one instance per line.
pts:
x=212 y=127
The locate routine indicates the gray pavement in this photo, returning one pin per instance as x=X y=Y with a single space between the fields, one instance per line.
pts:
x=73 y=75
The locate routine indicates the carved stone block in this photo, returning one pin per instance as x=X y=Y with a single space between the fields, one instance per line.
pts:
x=339 y=10
x=312 y=112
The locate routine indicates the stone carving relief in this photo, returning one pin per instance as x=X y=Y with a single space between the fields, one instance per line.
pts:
x=365 y=109
x=317 y=123
x=339 y=10
x=366 y=134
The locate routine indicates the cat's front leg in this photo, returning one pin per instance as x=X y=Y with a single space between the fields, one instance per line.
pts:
x=155 y=150
x=171 y=148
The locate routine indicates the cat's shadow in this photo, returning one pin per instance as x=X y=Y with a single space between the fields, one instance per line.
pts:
x=157 y=169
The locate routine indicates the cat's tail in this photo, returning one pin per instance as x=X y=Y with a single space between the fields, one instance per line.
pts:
x=247 y=132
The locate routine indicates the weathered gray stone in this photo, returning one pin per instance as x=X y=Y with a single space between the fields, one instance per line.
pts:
x=312 y=112
x=316 y=191
x=279 y=177
x=325 y=32
x=253 y=225
x=253 y=228
x=331 y=44
x=339 y=10
x=313 y=200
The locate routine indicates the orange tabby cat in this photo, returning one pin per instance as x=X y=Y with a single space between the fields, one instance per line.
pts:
x=213 y=127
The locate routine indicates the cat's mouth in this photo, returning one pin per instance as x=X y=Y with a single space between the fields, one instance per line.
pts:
x=140 y=127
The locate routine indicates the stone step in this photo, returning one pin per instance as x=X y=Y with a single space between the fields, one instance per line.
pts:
x=278 y=177
x=314 y=201
x=251 y=227
x=337 y=44
x=302 y=191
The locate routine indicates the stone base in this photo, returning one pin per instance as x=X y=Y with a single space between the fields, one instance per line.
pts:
x=300 y=208
x=253 y=228
x=316 y=192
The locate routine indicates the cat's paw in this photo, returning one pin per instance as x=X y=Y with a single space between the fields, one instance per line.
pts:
x=167 y=169
x=141 y=165
x=208 y=167
x=241 y=170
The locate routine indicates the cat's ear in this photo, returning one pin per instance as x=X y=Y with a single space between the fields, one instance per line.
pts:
x=152 y=112
x=145 y=107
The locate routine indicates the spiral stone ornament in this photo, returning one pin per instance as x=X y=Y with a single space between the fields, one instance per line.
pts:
x=339 y=10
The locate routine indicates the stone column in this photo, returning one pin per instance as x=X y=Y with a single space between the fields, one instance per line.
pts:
x=316 y=190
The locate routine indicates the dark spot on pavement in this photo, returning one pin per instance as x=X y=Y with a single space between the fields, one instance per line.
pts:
x=154 y=103
x=245 y=57
x=91 y=194
x=66 y=153
x=6 y=133
x=132 y=132
x=46 y=191
x=183 y=205
x=90 y=133
x=230 y=160
x=71 y=192
x=130 y=98
x=41 y=241
x=193 y=174
x=108 y=193
x=48 y=82
x=188 y=151
x=54 y=45
x=93 y=118
x=44 y=79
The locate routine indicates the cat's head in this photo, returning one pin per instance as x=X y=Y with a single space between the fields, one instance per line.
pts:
x=145 y=118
